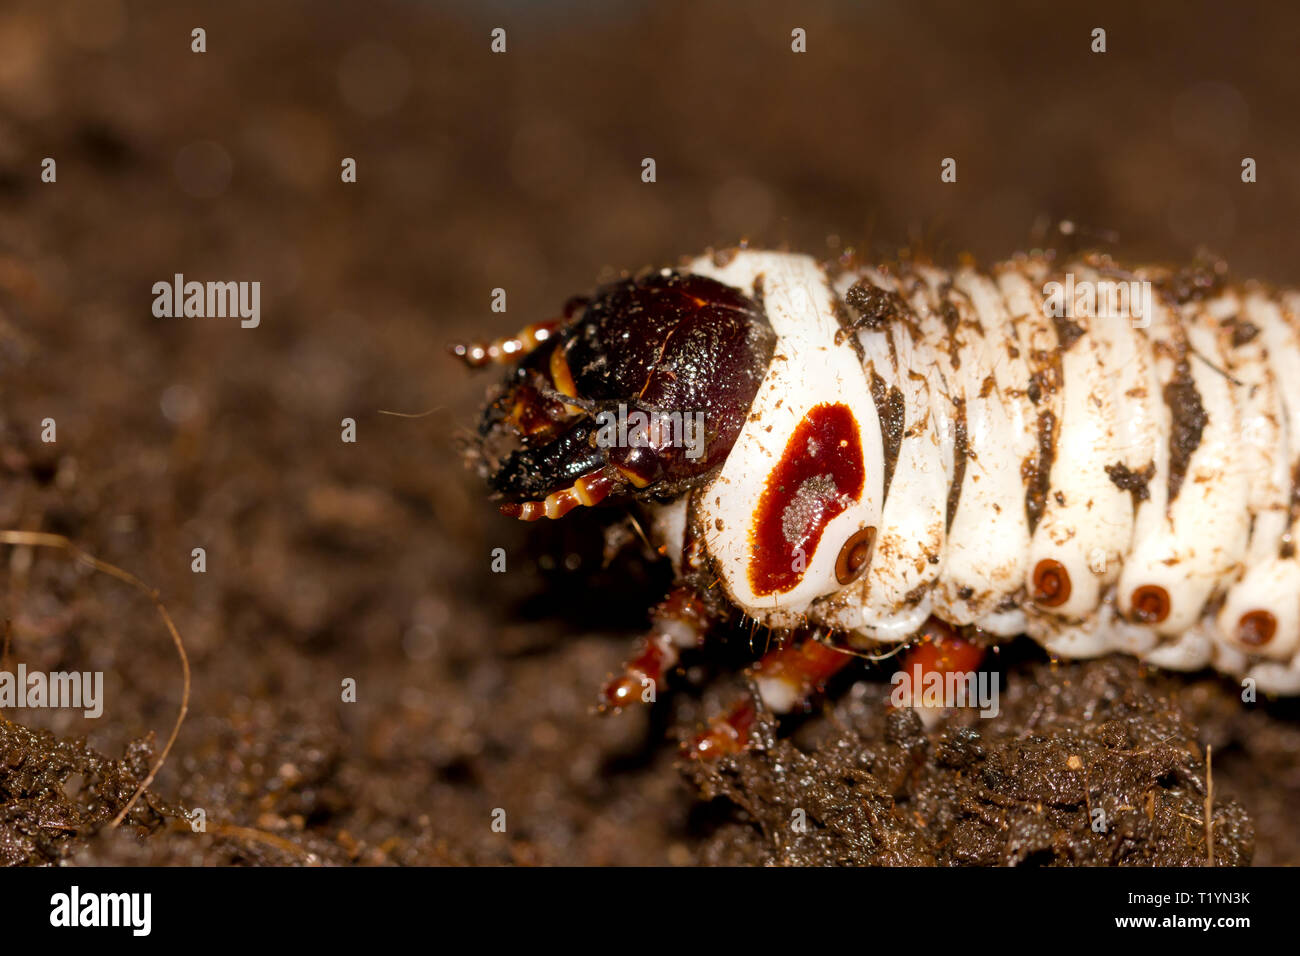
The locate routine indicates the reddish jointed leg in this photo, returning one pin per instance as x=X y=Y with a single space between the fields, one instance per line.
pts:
x=785 y=678
x=677 y=623
x=938 y=651
x=789 y=676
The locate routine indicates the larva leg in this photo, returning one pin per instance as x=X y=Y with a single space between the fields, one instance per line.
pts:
x=940 y=652
x=678 y=623
x=727 y=733
x=508 y=349
x=785 y=678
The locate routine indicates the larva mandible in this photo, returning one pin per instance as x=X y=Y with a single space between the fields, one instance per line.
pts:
x=1003 y=450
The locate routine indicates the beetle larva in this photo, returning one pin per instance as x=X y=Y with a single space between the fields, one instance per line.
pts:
x=1104 y=459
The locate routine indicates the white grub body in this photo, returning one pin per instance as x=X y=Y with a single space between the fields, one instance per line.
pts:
x=1159 y=448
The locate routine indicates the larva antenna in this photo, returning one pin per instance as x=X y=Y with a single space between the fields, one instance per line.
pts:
x=507 y=349
x=586 y=492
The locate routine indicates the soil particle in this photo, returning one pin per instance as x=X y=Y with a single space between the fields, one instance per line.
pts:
x=1188 y=422
x=891 y=409
x=960 y=452
x=1134 y=482
x=56 y=794
x=874 y=307
x=1067 y=331
x=1203 y=279
x=1243 y=331
x=1073 y=746
x=1036 y=472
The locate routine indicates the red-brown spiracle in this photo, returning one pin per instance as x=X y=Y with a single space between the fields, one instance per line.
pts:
x=1051 y=583
x=1256 y=628
x=1150 y=604
x=854 y=556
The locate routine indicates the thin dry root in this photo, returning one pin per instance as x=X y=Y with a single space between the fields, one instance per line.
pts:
x=38 y=539
x=254 y=835
x=384 y=411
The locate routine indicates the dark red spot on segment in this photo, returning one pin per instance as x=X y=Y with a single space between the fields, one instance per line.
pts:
x=820 y=473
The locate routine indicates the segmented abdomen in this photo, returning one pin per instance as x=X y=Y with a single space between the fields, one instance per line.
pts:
x=1114 y=473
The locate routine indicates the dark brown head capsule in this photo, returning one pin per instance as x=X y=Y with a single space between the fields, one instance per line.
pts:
x=646 y=387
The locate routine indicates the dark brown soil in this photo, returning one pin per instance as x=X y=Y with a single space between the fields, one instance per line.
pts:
x=1085 y=765
x=371 y=561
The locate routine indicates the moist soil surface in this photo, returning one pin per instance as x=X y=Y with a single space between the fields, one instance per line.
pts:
x=332 y=565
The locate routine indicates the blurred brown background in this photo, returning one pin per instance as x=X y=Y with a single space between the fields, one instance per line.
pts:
x=478 y=171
